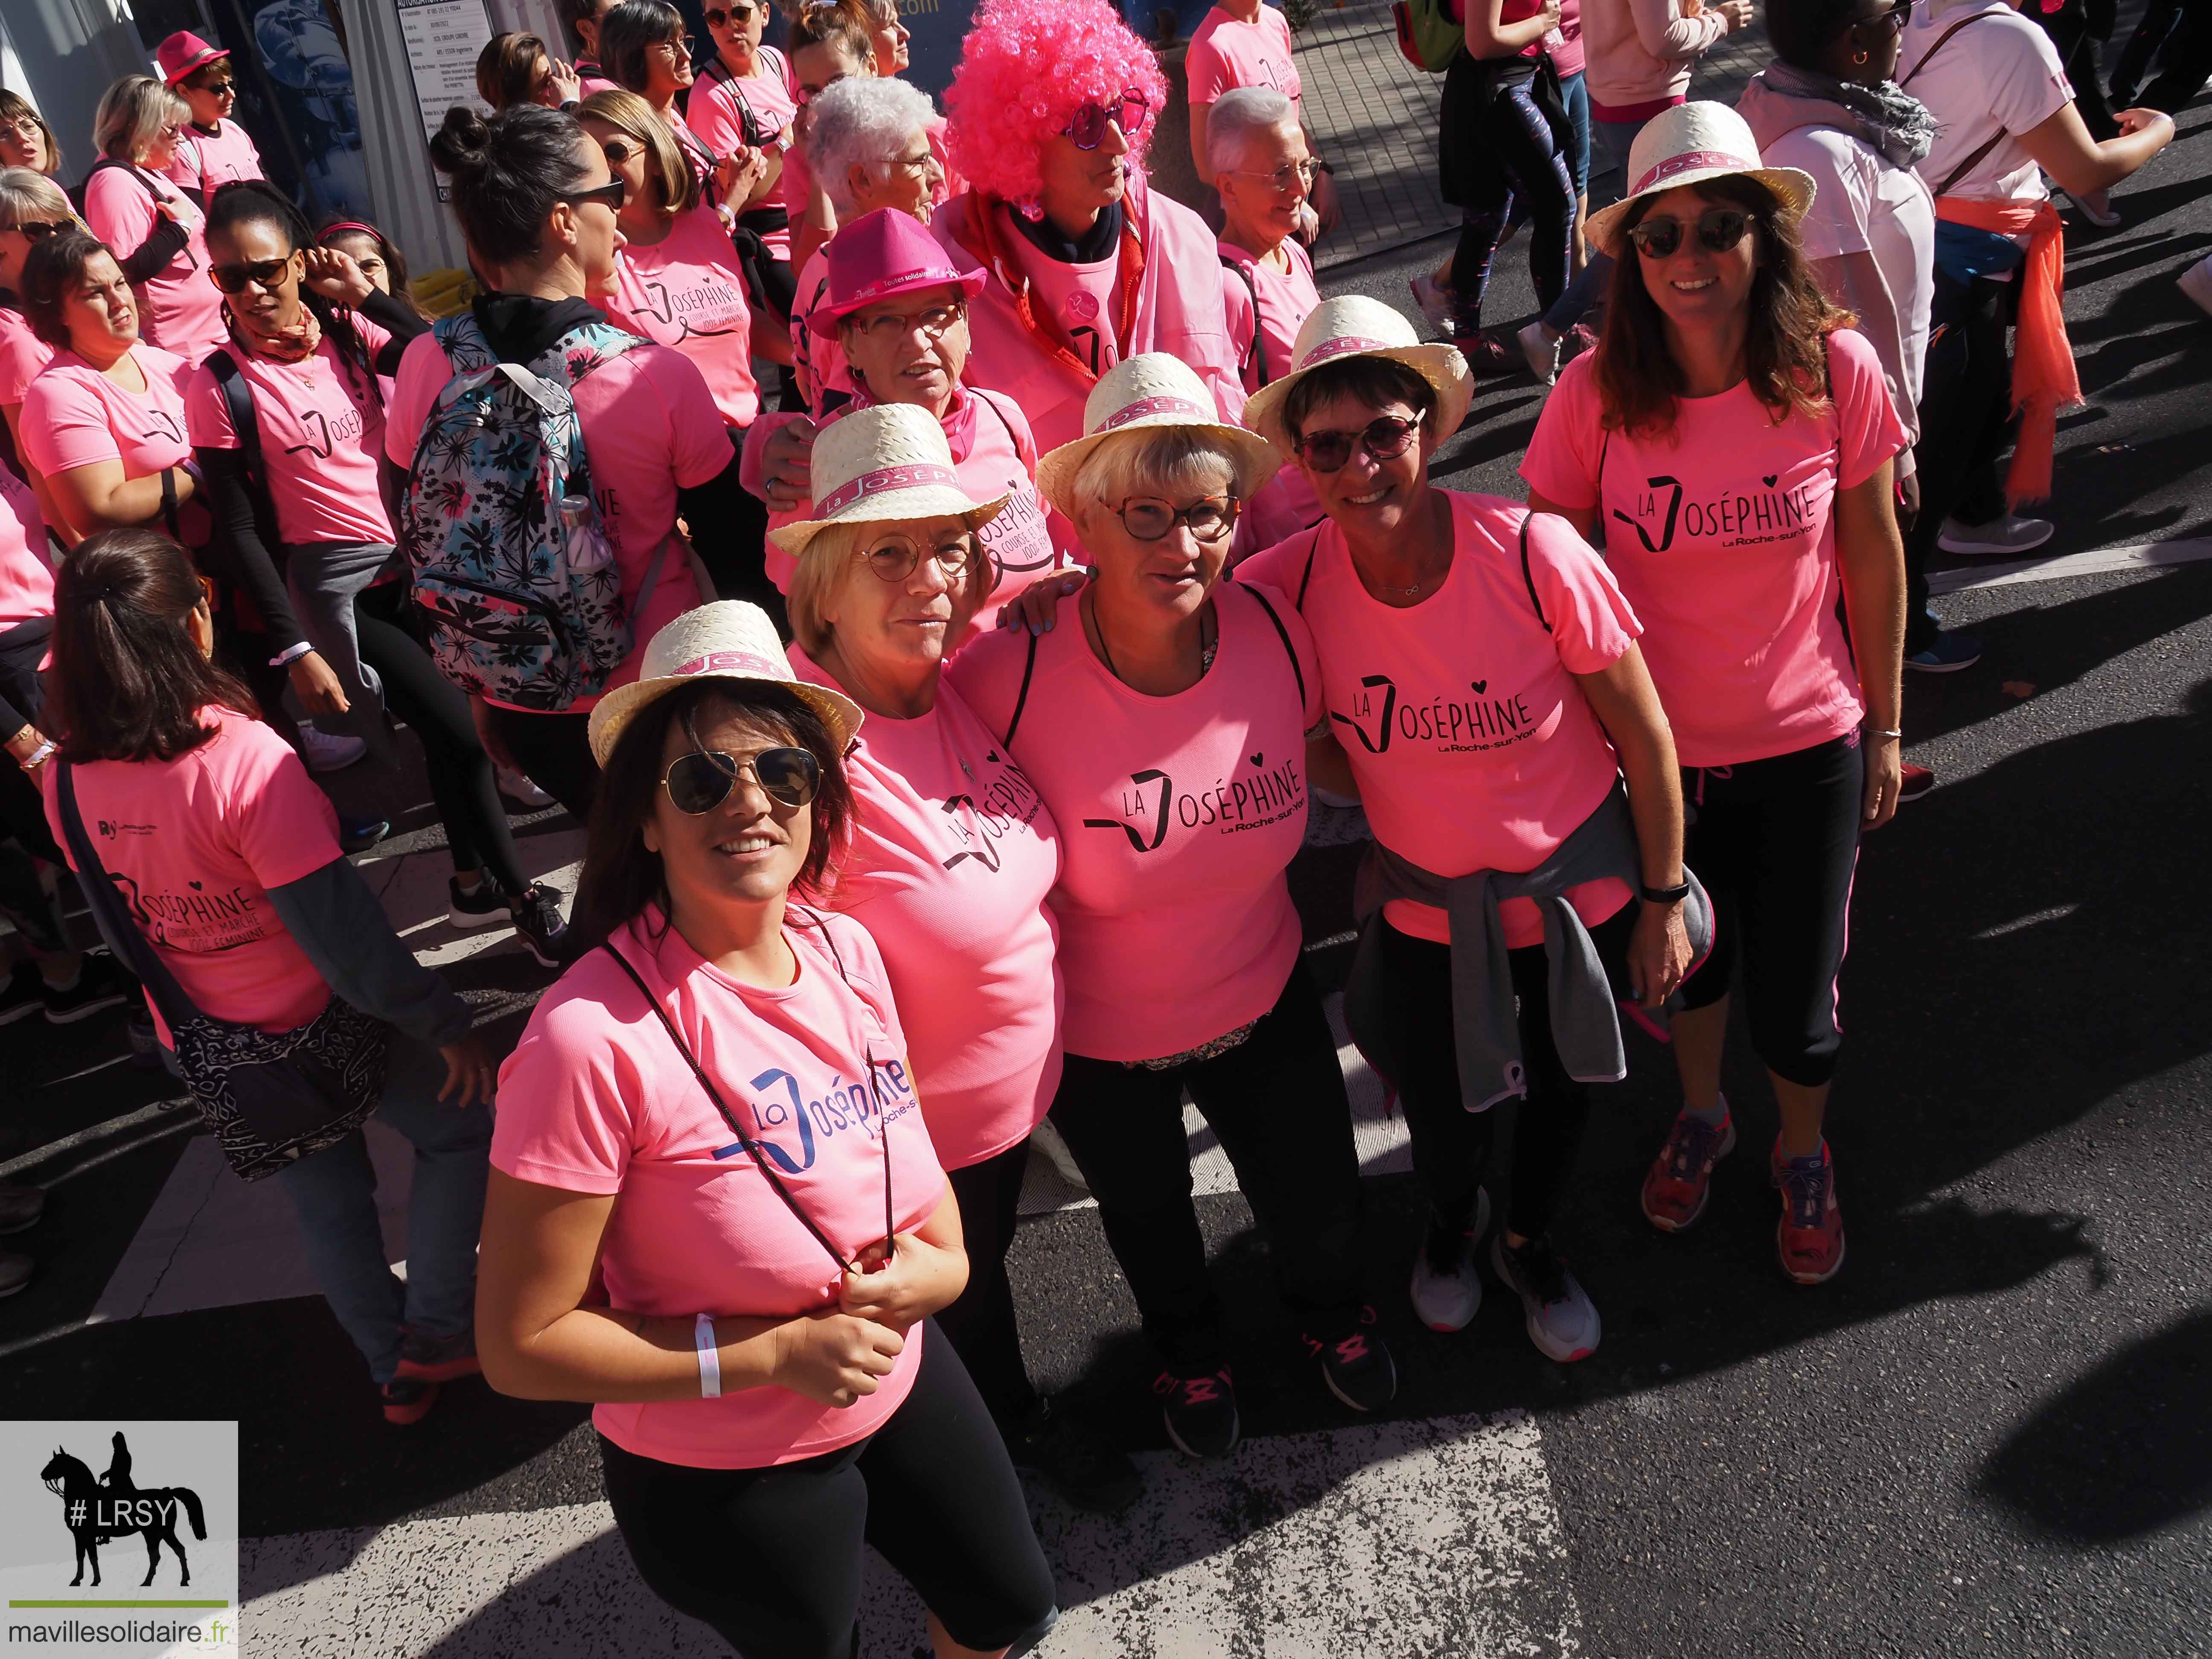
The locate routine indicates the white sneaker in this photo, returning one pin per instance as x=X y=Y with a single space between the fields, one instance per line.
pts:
x=520 y=790
x=1541 y=349
x=1045 y=1138
x=2197 y=282
x=1447 y=1298
x=2008 y=537
x=1562 y=1321
x=1437 y=305
x=324 y=753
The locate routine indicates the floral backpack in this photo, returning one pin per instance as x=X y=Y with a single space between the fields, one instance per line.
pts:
x=513 y=567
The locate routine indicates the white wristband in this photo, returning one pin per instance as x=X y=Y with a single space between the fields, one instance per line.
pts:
x=290 y=654
x=710 y=1363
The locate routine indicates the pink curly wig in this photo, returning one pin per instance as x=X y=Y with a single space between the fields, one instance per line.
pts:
x=1026 y=68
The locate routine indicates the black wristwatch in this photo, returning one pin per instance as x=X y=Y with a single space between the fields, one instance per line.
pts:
x=1662 y=894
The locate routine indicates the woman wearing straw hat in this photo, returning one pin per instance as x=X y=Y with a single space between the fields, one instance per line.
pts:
x=952 y=855
x=897 y=305
x=1180 y=803
x=716 y=1212
x=1737 y=440
x=1484 y=693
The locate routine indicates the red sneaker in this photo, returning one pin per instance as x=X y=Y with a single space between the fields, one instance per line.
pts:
x=1809 y=1237
x=408 y=1400
x=1917 y=782
x=1680 y=1179
x=438 y=1359
x=1489 y=357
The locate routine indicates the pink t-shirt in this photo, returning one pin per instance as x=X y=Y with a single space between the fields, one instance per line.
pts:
x=1568 y=57
x=205 y=161
x=74 y=416
x=714 y=111
x=195 y=844
x=183 y=310
x=22 y=355
x=1085 y=300
x=591 y=78
x=1726 y=545
x=596 y=1099
x=1177 y=815
x=1286 y=503
x=1472 y=746
x=650 y=428
x=817 y=359
x=951 y=856
x=686 y=291
x=322 y=432
x=1225 y=53
x=27 y=581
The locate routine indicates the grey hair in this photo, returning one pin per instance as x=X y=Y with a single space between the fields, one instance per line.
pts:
x=28 y=196
x=131 y=115
x=863 y=119
x=1163 y=461
x=1235 y=117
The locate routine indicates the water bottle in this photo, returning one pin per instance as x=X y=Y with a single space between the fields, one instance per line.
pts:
x=585 y=542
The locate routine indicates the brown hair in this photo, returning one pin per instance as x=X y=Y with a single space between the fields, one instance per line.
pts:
x=631 y=116
x=1785 y=347
x=14 y=106
x=52 y=270
x=621 y=874
x=1374 y=381
x=506 y=69
x=128 y=683
x=843 y=23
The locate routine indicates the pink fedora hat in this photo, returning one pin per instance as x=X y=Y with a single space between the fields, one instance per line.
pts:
x=882 y=254
x=183 y=52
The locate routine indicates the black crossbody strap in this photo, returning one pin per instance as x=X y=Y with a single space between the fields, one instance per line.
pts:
x=1021 y=697
x=1289 y=650
x=108 y=908
x=1313 y=551
x=1528 y=581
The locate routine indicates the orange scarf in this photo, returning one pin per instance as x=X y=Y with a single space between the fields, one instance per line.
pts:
x=2044 y=378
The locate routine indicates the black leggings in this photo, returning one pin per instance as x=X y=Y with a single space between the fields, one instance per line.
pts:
x=980 y=1323
x=462 y=781
x=1276 y=1102
x=771 y=1556
x=23 y=898
x=1515 y=158
x=1451 y=1146
x=1965 y=422
x=555 y=752
x=1776 y=842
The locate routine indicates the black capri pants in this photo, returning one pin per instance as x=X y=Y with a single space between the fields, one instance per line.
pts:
x=1775 y=842
x=980 y=1321
x=771 y=1556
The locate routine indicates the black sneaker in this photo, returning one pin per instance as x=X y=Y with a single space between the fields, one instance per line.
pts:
x=438 y=1359
x=359 y=835
x=20 y=1206
x=100 y=984
x=24 y=994
x=537 y=919
x=1357 y=1367
x=479 y=908
x=16 y=1272
x=1200 y=1411
x=1074 y=1462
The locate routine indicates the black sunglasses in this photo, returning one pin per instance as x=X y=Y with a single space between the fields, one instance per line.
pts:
x=1719 y=229
x=717 y=17
x=38 y=229
x=702 y=780
x=611 y=195
x=1384 y=438
x=1088 y=129
x=220 y=89
x=1893 y=18
x=264 y=273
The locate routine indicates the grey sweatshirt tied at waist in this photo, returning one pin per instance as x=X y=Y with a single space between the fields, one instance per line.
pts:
x=1585 y=1023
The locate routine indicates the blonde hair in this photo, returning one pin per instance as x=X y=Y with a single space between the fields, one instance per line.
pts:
x=131 y=115
x=1163 y=461
x=632 y=117
x=25 y=194
x=827 y=561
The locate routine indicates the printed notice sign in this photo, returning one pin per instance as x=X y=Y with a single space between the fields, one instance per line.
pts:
x=443 y=39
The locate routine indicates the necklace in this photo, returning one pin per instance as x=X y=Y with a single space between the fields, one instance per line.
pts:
x=1208 y=642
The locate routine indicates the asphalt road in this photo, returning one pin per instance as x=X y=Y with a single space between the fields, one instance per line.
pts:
x=1988 y=1434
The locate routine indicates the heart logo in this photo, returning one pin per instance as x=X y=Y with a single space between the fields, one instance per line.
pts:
x=1259 y=759
x=1769 y=478
x=991 y=755
x=1478 y=686
x=194 y=885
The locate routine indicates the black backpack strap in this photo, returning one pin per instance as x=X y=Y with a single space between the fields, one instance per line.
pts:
x=1258 y=355
x=1313 y=551
x=112 y=916
x=238 y=403
x=1022 y=698
x=1289 y=650
x=1529 y=580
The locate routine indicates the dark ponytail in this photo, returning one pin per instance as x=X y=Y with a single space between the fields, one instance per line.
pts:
x=508 y=170
x=128 y=683
x=258 y=202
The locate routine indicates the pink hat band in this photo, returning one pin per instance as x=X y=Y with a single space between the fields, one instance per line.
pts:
x=1343 y=344
x=1695 y=160
x=918 y=475
x=1182 y=408
x=732 y=662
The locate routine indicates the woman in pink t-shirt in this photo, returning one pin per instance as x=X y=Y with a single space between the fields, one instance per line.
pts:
x=646 y=51
x=1165 y=728
x=952 y=853
x=716 y=1213
x=1485 y=696
x=152 y=226
x=32 y=208
x=213 y=150
x=1736 y=443
x=228 y=854
x=743 y=101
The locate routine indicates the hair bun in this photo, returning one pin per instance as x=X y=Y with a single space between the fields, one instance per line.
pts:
x=461 y=144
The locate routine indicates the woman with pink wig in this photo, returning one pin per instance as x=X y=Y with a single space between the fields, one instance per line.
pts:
x=1088 y=265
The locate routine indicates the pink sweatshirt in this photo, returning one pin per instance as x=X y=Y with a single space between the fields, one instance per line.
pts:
x=1639 y=53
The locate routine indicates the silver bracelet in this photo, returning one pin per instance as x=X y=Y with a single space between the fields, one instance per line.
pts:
x=39 y=756
x=1877 y=732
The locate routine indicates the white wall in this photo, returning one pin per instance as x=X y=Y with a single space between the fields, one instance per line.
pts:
x=62 y=55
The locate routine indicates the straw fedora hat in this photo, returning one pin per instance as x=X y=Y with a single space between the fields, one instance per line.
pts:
x=1152 y=389
x=1356 y=326
x=729 y=639
x=1688 y=145
x=876 y=466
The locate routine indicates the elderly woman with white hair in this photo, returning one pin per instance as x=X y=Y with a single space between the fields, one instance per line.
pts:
x=32 y=209
x=952 y=854
x=868 y=145
x=157 y=234
x=1180 y=806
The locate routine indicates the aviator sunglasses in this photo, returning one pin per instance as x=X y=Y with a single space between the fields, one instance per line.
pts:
x=1719 y=229
x=1384 y=438
x=702 y=780
x=1088 y=128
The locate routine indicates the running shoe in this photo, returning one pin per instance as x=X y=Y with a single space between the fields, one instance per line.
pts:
x=25 y=993
x=359 y=835
x=16 y=1272
x=2196 y=284
x=1046 y=1140
x=1918 y=780
x=1540 y=347
x=1357 y=1367
x=1563 y=1322
x=479 y=907
x=1950 y=652
x=1678 y=1184
x=100 y=984
x=1200 y=1411
x=1081 y=1466
x=326 y=753
x=1435 y=303
x=517 y=791
x=430 y=1359
x=2008 y=537
x=1488 y=357
x=538 y=918
x=1447 y=1290
x=20 y=1206
x=1809 y=1237
x=2096 y=207
x=408 y=1400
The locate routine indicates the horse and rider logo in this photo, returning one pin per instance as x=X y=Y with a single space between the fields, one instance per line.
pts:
x=99 y=1511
